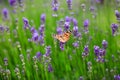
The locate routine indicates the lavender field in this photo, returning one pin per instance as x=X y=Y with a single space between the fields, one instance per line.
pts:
x=59 y=40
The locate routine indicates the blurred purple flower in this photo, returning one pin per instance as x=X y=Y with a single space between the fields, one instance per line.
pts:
x=59 y=30
x=62 y=45
x=100 y=1
x=55 y=5
x=114 y=28
x=43 y=18
x=12 y=2
x=41 y=30
x=86 y=24
x=104 y=44
x=92 y=8
x=41 y=40
x=50 y=69
x=100 y=59
x=96 y=50
x=75 y=30
x=86 y=49
x=69 y=3
x=26 y=23
x=81 y=78
x=76 y=44
x=116 y=77
x=102 y=52
x=33 y=30
x=67 y=23
x=75 y=22
x=5 y=13
x=35 y=37
x=117 y=13
x=2 y=29
x=38 y=55
x=48 y=50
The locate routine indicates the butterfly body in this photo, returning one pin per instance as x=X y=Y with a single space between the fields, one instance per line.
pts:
x=64 y=37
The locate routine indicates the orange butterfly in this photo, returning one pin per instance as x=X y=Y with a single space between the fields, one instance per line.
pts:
x=64 y=37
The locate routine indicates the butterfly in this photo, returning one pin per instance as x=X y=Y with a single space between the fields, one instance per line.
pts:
x=64 y=37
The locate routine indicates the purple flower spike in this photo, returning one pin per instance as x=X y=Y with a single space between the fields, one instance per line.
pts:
x=48 y=50
x=117 y=13
x=69 y=2
x=35 y=37
x=75 y=22
x=76 y=44
x=50 y=69
x=43 y=18
x=59 y=30
x=96 y=50
x=116 y=77
x=67 y=23
x=105 y=44
x=33 y=30
x=41 y=30
x=114 y=29
x=26 y=23
x=12 y=2
x=86 y=49
x=5 y=13
x=75 y=30
x=55 y=5
x=62 y=45
x=86 y=24
x=102 y=52
x=38 y=55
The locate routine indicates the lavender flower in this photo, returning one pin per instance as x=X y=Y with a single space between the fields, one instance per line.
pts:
x=35 y=37
x=116 y=77
x=59 y=30
x=105 y=44
x=114 y=28
x=76 y=44
x=38 y=55
x=43 y=18
x=50 y=69
x=69 y=2
x=96 y=50
x=86 y=49
x=26 y=23
x=12 y=2
x=55 y=5
x=5 y=14
x=86 y=24
x=102 y=52
x=67 y=23
x=33 y=30
x=62 y=45
x=2 y=29
x=41 y=30
x=100 y=1
x=81 y=78
x=75 y=31
x=75 y=22
x=48 y=50
x=5 y=61
x=117 y=13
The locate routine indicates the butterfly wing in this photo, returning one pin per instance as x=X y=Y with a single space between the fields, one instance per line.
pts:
x=63 y=37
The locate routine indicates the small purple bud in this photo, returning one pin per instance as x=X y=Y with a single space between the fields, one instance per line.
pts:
x=33 y=30
x=26 y=23
x=69 y=2
x=35 y=37
x=50 y=69
x=114 y=28
x=86 y=23
x=76 y=44
x=86 y=49
x=104 y=44
x=55 y=5
x=96 y=50
x=117 y=13
x=62 y=45
x=48 y=50
x=75 y=22
x=116 y=77
x=41 y=30
x=67 y=19
x=43 y=18
x=38 y=55
x=75 y=30
x=12 y=2
x=59 y=30
x=5 y=13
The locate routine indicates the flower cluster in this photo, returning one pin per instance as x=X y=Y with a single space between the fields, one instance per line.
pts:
x=67 y=23
x=69 y=3
x=116 y=77
x=114 y=28
x=5 y=14
x=86 y=51
x=100 y=52
x=26 y=23
x=86 y=24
